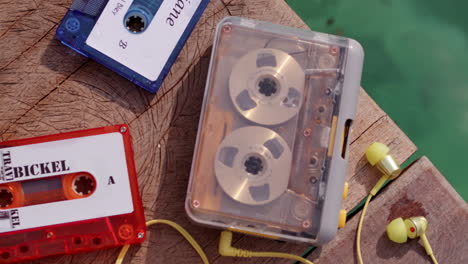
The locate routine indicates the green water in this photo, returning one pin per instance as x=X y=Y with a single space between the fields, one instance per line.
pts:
x=415 y=68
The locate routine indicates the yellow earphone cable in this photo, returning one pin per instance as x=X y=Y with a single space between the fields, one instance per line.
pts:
x=358 y=233
x=226 y=249
x=177 y=227
x=281 y=255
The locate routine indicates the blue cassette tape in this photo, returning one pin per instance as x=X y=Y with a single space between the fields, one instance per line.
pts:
x=139 y=39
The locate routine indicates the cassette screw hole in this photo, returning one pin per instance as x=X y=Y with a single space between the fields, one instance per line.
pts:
x=49 y=235
x=97 y=241
x=123 y=129
x=306 y=224
x=135 y=23
x=227 y=29
x=24 y=249
x=196 y=203
x=313 y=180
x=126 y=232
x=334 y=50
x=307 y=132
x=313 y=161
x=5 y=255
x=321 y=109
x=77 y=240
x=83 y=185
x=267 y=87
x=6 y=198
x=141 y=235
x=72 y=24
x=253 y=165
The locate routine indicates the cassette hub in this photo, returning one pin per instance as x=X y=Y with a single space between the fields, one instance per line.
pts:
x=83 y=185
x=135 y=23
x=268 y=86
x=253 y=164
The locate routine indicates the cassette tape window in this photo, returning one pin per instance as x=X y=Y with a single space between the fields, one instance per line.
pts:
x=269 y=156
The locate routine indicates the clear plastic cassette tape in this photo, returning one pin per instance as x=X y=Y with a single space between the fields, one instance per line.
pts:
x=270 y=151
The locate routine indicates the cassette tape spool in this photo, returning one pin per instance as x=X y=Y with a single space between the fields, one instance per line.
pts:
x=266 y=86
x=270 y=153
x=68 y=193
x=260 y=160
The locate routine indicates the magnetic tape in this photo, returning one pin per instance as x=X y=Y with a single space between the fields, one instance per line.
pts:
x=52 y=189
x=270 y=151
x=68 y=193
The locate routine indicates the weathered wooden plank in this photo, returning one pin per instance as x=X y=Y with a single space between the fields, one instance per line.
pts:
x=77 y=94
x=27 y=29
x=29 y=79
x=420 y=191
x=115 y=88
x=47 y=65
x=361 y=177
x=32 y=63
x=11 y=11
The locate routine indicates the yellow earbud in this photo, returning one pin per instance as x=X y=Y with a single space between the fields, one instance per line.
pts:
x=377 y=155
x=400 y=230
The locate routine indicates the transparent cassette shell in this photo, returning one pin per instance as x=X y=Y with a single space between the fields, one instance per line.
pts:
x=269 y=157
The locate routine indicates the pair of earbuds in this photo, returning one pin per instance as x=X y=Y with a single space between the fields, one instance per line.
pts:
x=399 y=230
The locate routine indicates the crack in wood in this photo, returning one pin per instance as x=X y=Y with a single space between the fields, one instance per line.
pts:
x=40 y=100
x=369 y=127
x=28 y=49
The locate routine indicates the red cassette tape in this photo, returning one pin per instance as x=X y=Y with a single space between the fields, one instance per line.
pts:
x=68 y=193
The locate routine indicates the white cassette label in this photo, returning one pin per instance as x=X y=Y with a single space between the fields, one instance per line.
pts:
x=145 y=53
x=102 y=156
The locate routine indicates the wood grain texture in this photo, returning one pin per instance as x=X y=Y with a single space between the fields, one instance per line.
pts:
x=47 y=88
x=420 y=191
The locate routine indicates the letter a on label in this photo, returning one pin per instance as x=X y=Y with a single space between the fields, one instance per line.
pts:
x=111 y=181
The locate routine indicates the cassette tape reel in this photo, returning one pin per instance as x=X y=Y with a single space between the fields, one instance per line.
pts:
x=266 y=86
x=269 y=158
x=253 y=164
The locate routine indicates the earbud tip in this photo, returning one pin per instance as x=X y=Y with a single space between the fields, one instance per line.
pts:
x=396 y=231
x=376 y=152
